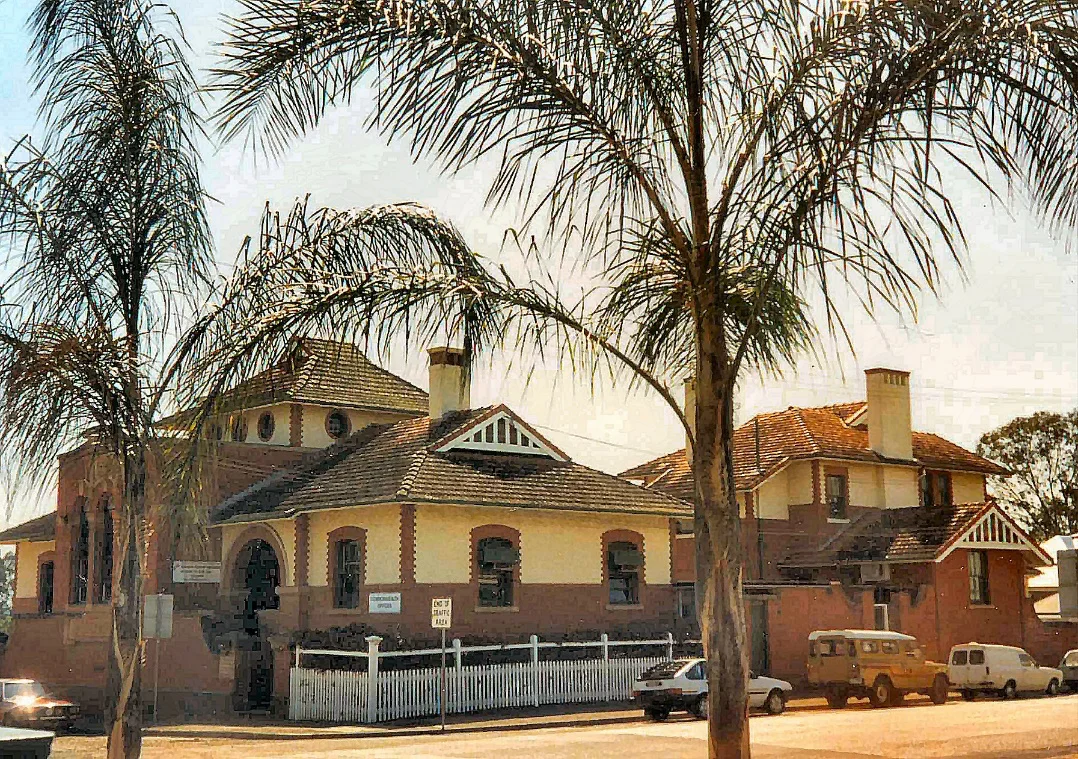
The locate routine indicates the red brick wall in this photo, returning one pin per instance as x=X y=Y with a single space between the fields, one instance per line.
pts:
x=795 y=612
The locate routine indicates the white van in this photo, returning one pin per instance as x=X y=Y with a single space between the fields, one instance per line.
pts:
x=980 y=667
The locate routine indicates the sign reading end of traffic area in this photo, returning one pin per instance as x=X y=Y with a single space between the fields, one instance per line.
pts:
x=441 y=612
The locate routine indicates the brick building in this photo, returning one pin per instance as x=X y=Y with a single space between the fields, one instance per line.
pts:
x=850 y=518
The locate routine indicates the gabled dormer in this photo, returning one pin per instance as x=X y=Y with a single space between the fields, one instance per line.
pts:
x=499 y=431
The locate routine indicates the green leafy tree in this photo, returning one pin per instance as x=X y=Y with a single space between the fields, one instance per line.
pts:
x=713 y=161
x=1041 y=450
x=106 y=239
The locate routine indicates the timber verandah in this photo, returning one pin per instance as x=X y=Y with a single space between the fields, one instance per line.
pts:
x=379 y=696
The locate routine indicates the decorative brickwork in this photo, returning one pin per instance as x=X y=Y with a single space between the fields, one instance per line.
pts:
x=295 y=425
x=303 y=547
x=407 y=570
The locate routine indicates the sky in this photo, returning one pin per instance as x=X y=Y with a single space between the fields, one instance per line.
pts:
x=1000 y=341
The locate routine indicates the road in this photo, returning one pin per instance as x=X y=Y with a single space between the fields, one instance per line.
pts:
x=1031 y=728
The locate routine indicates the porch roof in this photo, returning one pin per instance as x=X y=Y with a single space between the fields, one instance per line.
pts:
x=39 y=529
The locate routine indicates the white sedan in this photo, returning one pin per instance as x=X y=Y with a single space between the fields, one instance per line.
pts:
x=681 y=685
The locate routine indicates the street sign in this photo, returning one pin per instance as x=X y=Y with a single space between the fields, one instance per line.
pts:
x=196 y=571
x=441 y=613
x=384 y=603
x=157 y=616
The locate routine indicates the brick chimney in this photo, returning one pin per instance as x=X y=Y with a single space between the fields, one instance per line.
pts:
x=450 y=386
x=888 y=415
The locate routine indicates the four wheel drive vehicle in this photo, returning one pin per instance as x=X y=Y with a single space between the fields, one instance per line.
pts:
x=1006 y=670
x=878 y=665
x=1068 y=665
x=681 y=685
x=25 y=702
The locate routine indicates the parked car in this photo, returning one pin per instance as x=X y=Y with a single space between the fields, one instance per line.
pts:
x=681 y=685
x=25 y=703
x=879 y=665
x=1068 y=665
x=1007 y=670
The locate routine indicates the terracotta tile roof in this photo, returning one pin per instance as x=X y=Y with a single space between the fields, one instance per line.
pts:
x=41 y=528
x=396 y=463
x=907 y=534
x=326 y=373
x=805 y=433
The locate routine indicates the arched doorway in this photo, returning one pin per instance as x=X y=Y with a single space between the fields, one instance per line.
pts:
x=256 y=575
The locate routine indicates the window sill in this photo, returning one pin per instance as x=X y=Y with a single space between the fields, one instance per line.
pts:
x=496 y=609
x=833 y=520
x=626 y=607
x=982 y=606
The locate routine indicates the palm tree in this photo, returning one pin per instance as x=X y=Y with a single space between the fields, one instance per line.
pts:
x=706 y=156
x=107 y=238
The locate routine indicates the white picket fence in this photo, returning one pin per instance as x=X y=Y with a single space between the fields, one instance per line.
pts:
x=377 y=696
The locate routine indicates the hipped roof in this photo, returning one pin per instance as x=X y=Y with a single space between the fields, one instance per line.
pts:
x=40 y=529
x=399 y=463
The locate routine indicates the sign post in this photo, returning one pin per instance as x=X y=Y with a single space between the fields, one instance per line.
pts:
x=157 y=624
x=441 y=617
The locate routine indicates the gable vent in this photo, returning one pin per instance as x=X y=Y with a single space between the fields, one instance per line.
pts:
x=501 y=434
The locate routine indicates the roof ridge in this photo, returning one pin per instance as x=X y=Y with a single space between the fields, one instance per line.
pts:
x=419 y=457
x=808 y=434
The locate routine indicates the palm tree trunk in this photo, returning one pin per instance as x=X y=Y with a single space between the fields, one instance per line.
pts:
x=718 y=559
x=123 y=700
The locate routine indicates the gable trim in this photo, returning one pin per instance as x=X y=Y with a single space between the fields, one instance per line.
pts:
x=992 y=529
x=488 y=434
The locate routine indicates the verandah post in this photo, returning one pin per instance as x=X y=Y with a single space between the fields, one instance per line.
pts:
x=535 y=669
x=373 y=641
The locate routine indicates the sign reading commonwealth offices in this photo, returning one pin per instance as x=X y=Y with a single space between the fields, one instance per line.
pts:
x=384 y=603
x=196 y=571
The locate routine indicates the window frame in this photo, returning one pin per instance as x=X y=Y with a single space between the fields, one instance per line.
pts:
x=347 y=534
x=842 y=475
x=104 y=557
x=929 y=486
x=980 y=589
x=44 y=607
x=346 y=424
x=79 y=592
x=509 y=575
x=499 y=575
x=267 y=426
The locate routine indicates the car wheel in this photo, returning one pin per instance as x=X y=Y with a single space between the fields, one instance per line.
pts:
x=940 y=690
x=658 y=713
x=776 y=702
x=882 y=693
x=1053 y=687
x=837 y=698
x=700 y=707
x=1010 y=690
x=969 y=695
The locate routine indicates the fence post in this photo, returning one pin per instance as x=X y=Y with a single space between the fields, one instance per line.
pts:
x=670 y=646
x=458 y=655
x=298 y=650
x=604 y=641
x=373 y=641
x=535 y=669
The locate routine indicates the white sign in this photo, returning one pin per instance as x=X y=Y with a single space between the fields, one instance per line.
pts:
x=384 y=603
x=196 y=571
x=157 y=616
x=441 y=612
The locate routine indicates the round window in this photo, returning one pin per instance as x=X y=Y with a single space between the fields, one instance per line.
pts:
x=239 y=429
x=265 y=426
x=337 y=424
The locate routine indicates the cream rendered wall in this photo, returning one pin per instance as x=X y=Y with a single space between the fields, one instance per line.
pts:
x=900 y=487
x=383 y=526
x=285 y=529
x=799 y=482
x=772 y=496
x=555 y=547
x=281 y=420
x=866 y=485
x=314 y=423
x=26 y=555
x=967 y=487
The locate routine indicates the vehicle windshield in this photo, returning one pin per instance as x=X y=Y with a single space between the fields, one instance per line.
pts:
x=23 y=690
x=663 y=670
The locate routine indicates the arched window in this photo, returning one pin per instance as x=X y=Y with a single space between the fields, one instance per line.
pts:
x=45 y=579
x=103 y=566
x=80 y=559
x=347 y=549
x=496 y=559
x=624 y=562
